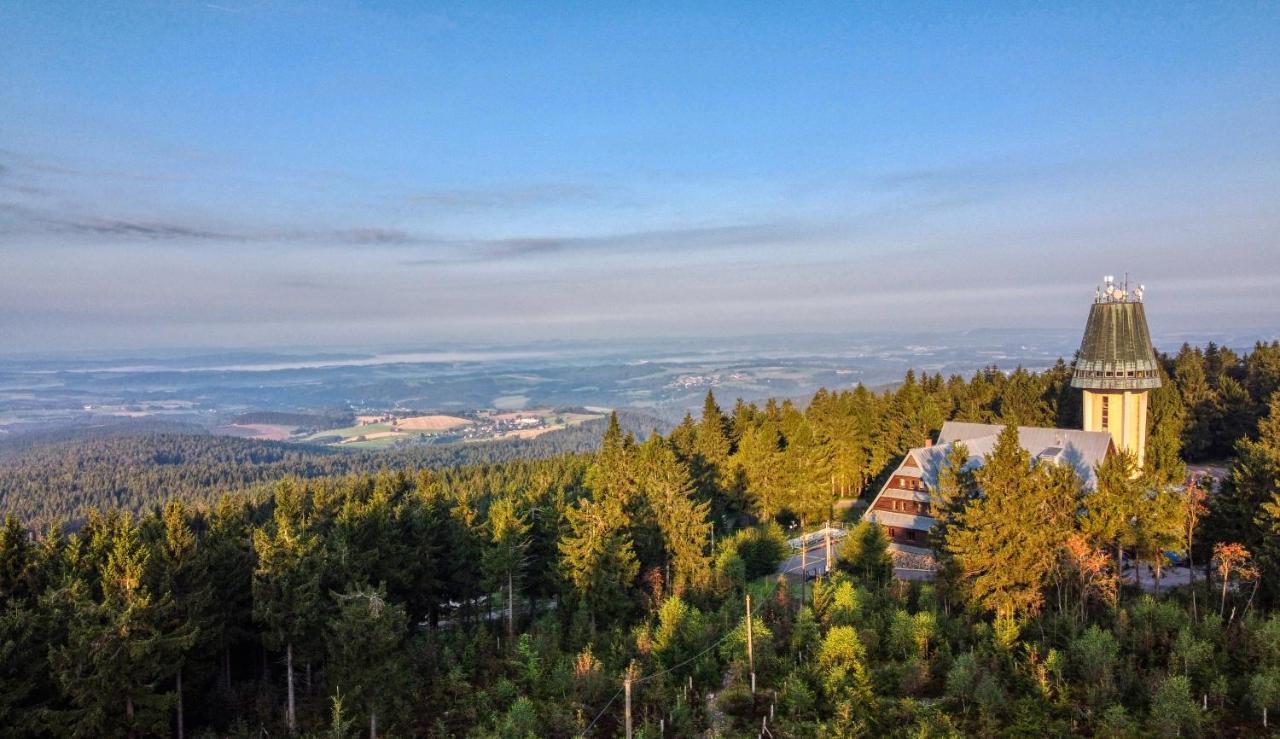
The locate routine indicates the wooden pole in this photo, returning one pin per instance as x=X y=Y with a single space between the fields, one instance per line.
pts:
x=804 y=566
x=181 y=729
x=751 y=658
x=626 y=684
x=291 y=718
x=828 y=543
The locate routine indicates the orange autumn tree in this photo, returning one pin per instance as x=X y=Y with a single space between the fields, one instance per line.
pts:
x=1232 y=558
x=1089 y=572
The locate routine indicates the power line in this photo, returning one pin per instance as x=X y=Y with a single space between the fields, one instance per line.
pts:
x=602 y=710
x=677 y=666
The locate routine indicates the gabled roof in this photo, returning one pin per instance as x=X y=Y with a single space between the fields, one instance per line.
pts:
x=1083 y=450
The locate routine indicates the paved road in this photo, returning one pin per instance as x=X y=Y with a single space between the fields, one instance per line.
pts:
x=816 y=561
x=816 y=565
x=1170 y=577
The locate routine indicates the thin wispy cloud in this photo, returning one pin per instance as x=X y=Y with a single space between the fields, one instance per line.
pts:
x=506 y=197
x=21 y=221
x=686 y=240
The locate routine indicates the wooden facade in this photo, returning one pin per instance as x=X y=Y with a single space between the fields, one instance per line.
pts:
x=908 y=536
x=898 y=505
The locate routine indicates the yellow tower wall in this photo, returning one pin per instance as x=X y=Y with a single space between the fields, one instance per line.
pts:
x=1126 y=418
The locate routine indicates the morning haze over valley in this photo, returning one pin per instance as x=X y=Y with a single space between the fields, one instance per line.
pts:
x=604 y=370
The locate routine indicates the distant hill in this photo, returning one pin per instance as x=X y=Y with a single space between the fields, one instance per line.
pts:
x=102 y=429
x=44 y=478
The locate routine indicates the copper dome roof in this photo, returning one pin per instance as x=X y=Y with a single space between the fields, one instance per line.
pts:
x=1116 y=352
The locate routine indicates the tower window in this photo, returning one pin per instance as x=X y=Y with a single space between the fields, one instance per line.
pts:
x=1106 y=411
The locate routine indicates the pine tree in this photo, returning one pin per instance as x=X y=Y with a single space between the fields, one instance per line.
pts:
x=183 y=581
x=28 y=628
x=842 y=441
x=425 y=526
x=1166 y=422
x=598 y=557
x=912 y=417
x=681 y=519
x=864 y=553
x=465 y=544
x=1159 y=526
x=1200 y=401
x=1247 y=510
x=504 y=556
x=611 y=474
x=1235 y=416
x=710 y=463
x=1008 y=540
x=955 y=489
x=367 y=663
x=16 y=561
x=117 y=665
x=1111 y=507
x=286 y=584
x=713 y=433
x=1262 y=375
x=808 y=466
x=228 y=557
x=684 y=438
x=362 y=545
x=1022 y=402
x=846 y=681
x=761 y=459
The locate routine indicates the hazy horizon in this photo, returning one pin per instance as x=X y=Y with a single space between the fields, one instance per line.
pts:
x=746 y=345
x=252 y=175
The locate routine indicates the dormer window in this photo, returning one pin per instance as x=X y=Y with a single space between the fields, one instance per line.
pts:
x=1052 y=455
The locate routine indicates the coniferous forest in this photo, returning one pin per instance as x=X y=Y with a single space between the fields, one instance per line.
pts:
x=532 y=597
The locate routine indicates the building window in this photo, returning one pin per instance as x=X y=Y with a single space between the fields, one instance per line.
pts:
x=1106 y=412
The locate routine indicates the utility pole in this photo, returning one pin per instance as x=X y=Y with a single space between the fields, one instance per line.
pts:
x=626 y=685
x=827 y=529
x=751 y=659
x=804 y=566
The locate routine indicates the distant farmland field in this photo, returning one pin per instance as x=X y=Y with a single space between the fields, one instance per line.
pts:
x=264 y=431
x=385 y=434
x=432 y=423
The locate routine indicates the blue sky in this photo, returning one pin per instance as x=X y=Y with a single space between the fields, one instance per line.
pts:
x=243 y=173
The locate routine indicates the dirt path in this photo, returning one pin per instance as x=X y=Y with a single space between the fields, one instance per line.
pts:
x=715 y=716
